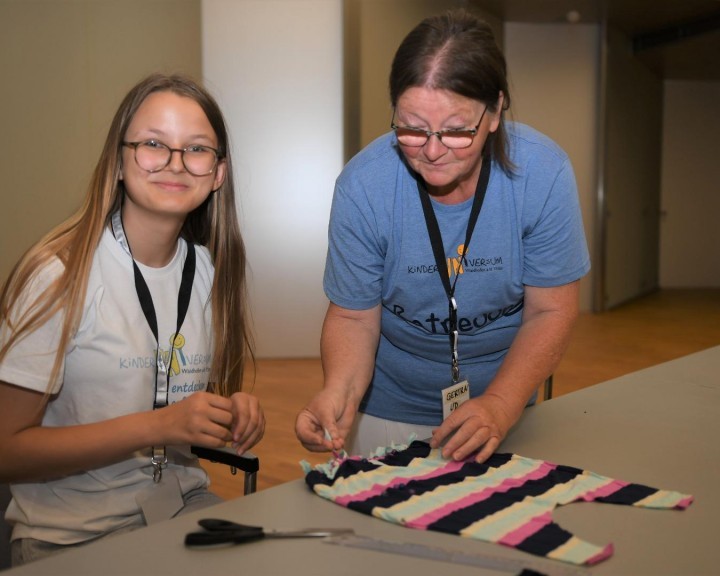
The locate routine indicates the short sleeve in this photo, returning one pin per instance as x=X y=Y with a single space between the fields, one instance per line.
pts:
x=30 y=360
x=554 y=244
x=356 y=253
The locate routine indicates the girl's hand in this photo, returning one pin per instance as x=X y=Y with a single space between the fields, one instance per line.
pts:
x=248 y=421
x=202 y=418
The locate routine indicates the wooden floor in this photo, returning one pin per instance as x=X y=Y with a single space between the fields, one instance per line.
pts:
x=654 y=329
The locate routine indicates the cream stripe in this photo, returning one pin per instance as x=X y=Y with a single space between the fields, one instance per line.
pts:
x=576 y=551
x=661 y=499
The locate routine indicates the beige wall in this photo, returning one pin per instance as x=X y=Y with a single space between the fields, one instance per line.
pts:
x=276 y=68
x=631 y=174
x=553 y=72
x=690 y=193
x=66 y=64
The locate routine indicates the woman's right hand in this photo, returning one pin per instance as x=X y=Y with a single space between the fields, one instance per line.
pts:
x=330 y=411
x=348 y=345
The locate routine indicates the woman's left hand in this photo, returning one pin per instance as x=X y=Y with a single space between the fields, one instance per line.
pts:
x=478 y=424
x=248 y=423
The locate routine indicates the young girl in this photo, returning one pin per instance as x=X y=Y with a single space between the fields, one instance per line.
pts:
x=123 y=333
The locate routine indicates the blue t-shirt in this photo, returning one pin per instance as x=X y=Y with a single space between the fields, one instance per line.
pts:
x=529 y=232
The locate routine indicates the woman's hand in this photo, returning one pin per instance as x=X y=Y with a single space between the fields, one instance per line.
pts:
x=248 y=422
x=483 y=422
x=328 y=410
x=348 y=345
x=479 y=424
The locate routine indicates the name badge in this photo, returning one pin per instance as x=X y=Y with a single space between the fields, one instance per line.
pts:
x=161 y=500
x=454 y=395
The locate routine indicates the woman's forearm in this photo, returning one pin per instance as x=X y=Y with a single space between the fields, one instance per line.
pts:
x=348 y=346
x=541 y=341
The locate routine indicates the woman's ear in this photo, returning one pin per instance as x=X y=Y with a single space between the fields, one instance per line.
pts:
x=219 y=175
x=495 y=118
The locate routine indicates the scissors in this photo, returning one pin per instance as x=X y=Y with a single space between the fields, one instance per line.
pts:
x=227 y=532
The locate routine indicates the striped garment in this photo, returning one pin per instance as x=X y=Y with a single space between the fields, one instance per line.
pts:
x=508 y=499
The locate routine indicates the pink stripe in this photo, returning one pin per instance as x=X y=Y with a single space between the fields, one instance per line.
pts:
x=684 y=503
x=604 y=554
x=422 y=522
x=532 y=526
x=605 y=490
x=378 y=489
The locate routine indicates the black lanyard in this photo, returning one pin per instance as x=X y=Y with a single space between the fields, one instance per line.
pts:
x=439 y=252
x=162 y=372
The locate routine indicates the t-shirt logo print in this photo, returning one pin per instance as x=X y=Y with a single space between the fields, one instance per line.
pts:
x=175 y=354
x=455 y=264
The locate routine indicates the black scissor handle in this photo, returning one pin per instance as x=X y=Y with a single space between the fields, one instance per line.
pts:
x=215 y=524
x=214 y=538
x=223 y=532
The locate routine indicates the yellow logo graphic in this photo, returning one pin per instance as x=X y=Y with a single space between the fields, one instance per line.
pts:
x=177 y=342
x=455 y=264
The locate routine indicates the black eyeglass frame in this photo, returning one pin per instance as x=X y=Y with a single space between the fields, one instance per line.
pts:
x=439 y=133
x=134 y=146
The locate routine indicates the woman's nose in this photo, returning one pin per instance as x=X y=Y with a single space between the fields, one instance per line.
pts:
x=434 y=148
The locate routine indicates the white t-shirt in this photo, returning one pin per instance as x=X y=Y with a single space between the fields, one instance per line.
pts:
x=109 y=371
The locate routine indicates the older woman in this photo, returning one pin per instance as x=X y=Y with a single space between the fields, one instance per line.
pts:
x=456 y=248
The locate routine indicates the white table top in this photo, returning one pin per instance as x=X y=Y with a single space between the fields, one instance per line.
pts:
x=658 y=427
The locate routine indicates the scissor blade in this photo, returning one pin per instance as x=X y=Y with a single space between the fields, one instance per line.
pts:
x=311 y=533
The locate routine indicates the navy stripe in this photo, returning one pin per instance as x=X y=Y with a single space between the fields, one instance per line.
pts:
x=404 y=457
x=628 y=495
x=545 y=540
x=315 y=477
x=352 y=467
x=345 y=470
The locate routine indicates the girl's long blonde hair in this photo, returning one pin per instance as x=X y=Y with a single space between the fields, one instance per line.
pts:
x=214 y=224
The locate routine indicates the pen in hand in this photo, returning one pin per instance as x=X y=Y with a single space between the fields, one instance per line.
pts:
x=329 y=438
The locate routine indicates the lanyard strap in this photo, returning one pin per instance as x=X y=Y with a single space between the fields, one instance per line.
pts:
x=436 y=242
x=148 y=308
x=162 y=372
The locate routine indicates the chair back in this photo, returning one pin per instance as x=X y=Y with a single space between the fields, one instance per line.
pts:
x=5 y=529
